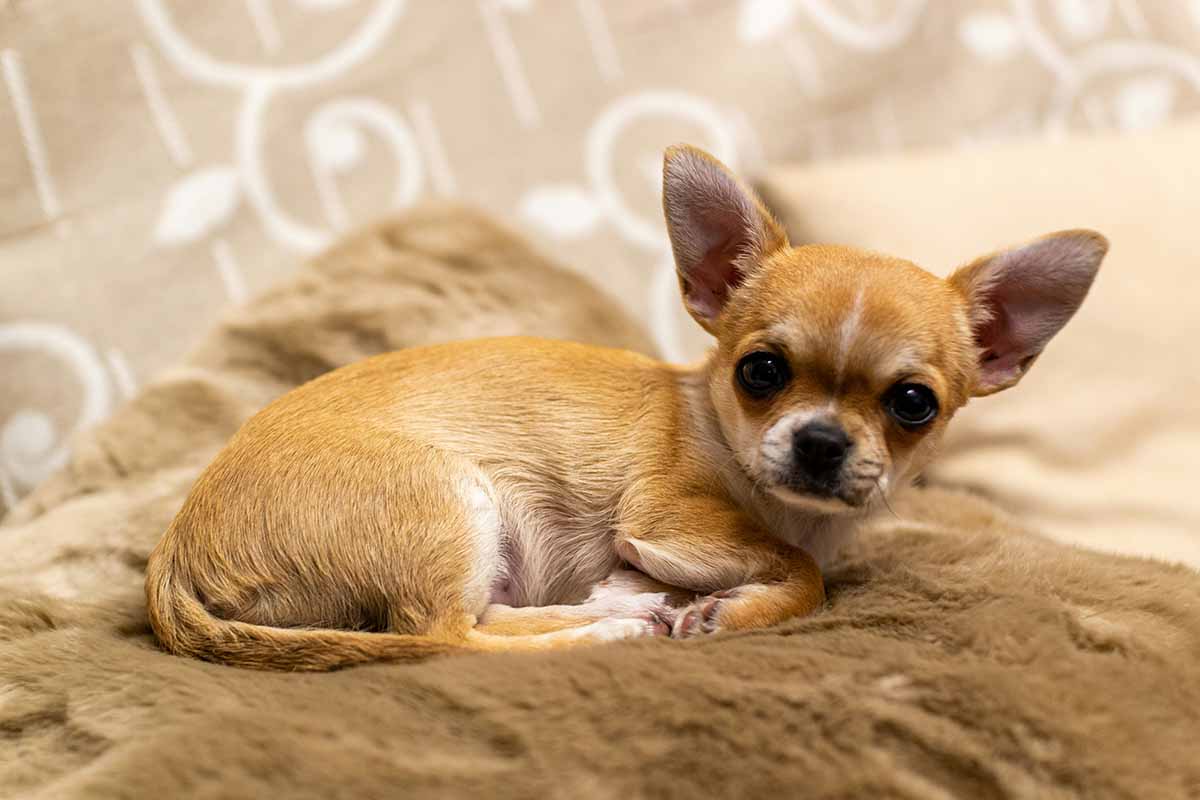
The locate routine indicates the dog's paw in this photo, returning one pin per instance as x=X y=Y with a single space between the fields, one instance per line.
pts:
x=638 y=626
x=702 y=616
x=660 y=621
x=618 y=602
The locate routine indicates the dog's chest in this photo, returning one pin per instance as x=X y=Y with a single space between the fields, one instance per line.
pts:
x=821 y=541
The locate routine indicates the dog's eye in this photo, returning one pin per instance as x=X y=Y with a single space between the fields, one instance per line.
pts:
x=911 y=404
x=762 y=373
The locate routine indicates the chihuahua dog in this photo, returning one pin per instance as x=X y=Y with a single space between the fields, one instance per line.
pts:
x=519 y=494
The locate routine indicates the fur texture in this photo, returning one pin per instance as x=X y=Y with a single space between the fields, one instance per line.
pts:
x=379 y=511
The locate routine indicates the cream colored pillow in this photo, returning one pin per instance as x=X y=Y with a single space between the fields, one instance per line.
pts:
x=1100 y=444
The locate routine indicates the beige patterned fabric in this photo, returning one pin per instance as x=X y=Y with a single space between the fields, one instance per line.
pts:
x=163 y=159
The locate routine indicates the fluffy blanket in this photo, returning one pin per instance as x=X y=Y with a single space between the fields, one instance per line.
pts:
x=958 y=655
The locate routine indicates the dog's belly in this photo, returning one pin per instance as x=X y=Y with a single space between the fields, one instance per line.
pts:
x=550 y=557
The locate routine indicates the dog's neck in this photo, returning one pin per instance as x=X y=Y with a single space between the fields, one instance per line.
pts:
x=822 y=535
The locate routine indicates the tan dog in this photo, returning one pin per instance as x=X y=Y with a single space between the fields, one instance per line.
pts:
x=493 y=494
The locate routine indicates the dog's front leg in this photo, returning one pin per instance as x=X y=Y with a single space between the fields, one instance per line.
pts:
x=746 y=577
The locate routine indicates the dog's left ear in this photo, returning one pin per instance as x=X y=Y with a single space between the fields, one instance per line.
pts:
x=1021 y=297
x=719 y=230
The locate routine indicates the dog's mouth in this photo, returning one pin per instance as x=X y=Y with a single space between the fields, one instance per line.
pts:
x=820 y=501
x=833 y=497
x=851 y=491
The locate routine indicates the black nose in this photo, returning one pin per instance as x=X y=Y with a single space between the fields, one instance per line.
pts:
x=821 y=448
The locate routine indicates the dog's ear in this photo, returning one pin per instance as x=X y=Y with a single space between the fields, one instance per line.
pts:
x=1019 y=298
x=719 y=230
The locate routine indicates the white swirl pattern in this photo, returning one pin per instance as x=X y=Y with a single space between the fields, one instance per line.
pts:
x=30 y=446
x=1106 y=63
x=332 y=124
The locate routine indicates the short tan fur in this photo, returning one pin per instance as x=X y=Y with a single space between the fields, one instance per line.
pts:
x=523 y=494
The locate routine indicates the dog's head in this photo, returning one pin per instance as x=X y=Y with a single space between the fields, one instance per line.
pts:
x=836 y=370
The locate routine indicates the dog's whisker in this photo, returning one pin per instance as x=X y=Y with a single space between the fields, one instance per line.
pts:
x=883 y=496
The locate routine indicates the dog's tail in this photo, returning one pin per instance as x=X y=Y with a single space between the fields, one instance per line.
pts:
x=185 y=627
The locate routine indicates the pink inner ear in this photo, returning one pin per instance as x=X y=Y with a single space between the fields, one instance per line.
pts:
x=1003 y=351
x=715 y=276
x=717 y=230
x=1026 y=295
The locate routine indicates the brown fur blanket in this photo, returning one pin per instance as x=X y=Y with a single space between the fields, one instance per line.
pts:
x=958 y=656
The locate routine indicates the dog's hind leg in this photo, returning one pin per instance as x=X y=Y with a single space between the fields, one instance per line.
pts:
x=625 y=594
x=509 y=638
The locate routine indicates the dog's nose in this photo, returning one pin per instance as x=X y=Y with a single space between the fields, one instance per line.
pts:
x=821 y=448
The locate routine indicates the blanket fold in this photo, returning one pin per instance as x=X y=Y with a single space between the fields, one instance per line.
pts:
x=958 y=656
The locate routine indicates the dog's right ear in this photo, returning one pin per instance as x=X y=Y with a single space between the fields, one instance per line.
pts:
x=719 y=230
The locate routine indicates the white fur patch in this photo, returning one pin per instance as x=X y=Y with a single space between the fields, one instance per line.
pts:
x=608 y=630
x=626 y=605
x=848 y=333
x=624 y=594
x=775 y=451
x=483 y=518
